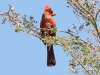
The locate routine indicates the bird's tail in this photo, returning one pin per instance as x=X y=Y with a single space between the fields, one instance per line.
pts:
x=50 y=56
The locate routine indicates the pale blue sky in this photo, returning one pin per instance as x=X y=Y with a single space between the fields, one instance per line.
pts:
x=26 y=56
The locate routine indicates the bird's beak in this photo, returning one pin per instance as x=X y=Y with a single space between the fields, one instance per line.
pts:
x=53 y=14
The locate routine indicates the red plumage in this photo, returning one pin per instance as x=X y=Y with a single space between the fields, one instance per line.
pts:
x=47 y=22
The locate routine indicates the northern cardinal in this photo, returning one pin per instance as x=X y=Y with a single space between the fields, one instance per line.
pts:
x=47 y=22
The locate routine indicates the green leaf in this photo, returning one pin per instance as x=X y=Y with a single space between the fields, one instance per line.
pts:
x=53 y=30
x=77 y=38
x=18 y=29
x=84 y=61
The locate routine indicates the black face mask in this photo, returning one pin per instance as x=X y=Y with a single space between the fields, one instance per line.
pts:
x=51 y=12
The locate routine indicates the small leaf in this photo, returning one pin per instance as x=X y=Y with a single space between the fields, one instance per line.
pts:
x=71 y=69
x=53 y=30
x=18 y=29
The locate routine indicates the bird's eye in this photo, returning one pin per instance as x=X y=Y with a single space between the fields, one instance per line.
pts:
x=50 y=11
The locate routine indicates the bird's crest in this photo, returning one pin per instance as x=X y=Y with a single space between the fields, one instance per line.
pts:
x=48 y=9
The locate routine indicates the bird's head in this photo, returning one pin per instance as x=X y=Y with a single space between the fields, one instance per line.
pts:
x=49 y=10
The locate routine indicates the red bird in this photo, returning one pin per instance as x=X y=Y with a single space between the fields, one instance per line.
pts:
x=47 y=22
